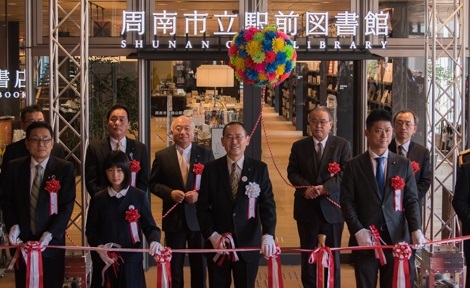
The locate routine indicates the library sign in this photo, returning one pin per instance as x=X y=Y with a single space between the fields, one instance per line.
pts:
x=5 y=84
x=316 y=25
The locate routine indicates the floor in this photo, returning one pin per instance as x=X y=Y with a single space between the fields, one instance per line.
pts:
x=278 y=136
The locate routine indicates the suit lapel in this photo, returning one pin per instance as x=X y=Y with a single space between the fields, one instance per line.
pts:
x=311 y=158
x=26 y=184
x=193 y=159
x=327 y=151
x=391 y=172
x=225 y=178
x=175 y=163
x=48 y=175
x=130 y=148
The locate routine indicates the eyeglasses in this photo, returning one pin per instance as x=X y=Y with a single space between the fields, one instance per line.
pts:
x=234 y=137
x=36 y=141
x=408 y=124
x=322 y=122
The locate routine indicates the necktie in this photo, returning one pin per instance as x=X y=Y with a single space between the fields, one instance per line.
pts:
x=119 y=146
x=183 y=168
x=401 y=151
x=319 y=151
x=234 y=178
x=34 y=197
x=379 y=175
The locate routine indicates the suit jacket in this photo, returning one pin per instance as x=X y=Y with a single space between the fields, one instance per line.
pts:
x=421 y=155
x=16 y=200
x=363 y=206
x=217 y=211
x=461 y=200
x=106 y=221
x=18 y=149
x=304 y=170
x=95 y=176
x=166 y=177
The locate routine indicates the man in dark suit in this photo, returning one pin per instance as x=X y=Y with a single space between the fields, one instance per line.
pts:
x=173 y=180
x=461 y=204
x=372 y=198
x=118 y=123
x=29 y=114
x=405 y=124
x=309 y=168
x=27 y=205
x=229 y=185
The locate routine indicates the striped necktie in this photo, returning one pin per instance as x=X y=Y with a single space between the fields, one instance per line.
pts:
x=234 y=179
x=35 y=196
x=119 y=146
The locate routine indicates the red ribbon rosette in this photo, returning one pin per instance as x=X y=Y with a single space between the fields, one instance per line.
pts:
x=53 y=187
x=163 y=268
x=33 y=259
x=398 y=184
x=132 y=215
x=135 y=167
x=415 y=166
x=197 y=169
x=334 y=168
x=274 y=270
x=401 y=270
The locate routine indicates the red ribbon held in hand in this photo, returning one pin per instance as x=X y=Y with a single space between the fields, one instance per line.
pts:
x=274 y=270
x=379 y=253
x=32 y=256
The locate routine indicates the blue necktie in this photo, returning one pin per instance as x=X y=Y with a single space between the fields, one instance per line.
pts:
x=379 y=175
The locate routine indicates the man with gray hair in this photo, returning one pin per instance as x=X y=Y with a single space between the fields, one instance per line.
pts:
x=175 y=180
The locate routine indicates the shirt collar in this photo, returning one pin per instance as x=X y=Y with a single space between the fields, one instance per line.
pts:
x=119 y=194
x=114 y=141
x=373 y=155
x=43 y=163
x=185 y=150
x=405 y=146
x=323 y=142
x=239 y=162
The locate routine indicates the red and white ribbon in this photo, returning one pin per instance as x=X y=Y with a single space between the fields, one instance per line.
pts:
x=105 y=277
x=163 y=268
x=197 y=169
x=274 y=270
x=135 y=168
x=132 y=215
x=324 y=259
x=53 y=203
x=401 y=268
x=33 y=259
x=379 y=253
x=251 y=207
x=226 y=242
x=397 y=201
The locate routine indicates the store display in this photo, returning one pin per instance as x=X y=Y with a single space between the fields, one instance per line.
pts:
x=379 y=90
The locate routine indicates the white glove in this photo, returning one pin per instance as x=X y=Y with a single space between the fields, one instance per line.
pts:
x=45 y=239
x=364 y=237
x=418 y=239
x=14 y=234
x=215 y=239
x=104 y=254
x=268 y=247
x=155 y=248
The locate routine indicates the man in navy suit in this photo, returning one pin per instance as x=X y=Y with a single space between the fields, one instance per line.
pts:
x=405 y=124
x=118 y=123
x=370 y=197
x=173 y=180
x=236 y=198
x=308 y=167
x=27 y=205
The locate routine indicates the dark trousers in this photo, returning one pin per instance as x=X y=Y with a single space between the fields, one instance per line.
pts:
x=244 y=273
x=367 y=267
x=308 y=234
x=53 y=271
x=197 y=262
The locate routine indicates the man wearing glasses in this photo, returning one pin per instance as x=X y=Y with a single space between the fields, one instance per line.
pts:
x=309 y=172
x=31 y=211
x=117 y=119
x=29 y=115
x=405 y=124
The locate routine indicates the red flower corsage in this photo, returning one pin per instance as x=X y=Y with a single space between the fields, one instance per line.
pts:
x=53 y=186
x=397 y=183
x=334 y=168
x=198 y=168
x=415 y=166
x=132 y=215
x=135 y=166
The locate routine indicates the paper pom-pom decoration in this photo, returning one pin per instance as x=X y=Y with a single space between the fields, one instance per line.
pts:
x=262 y=57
